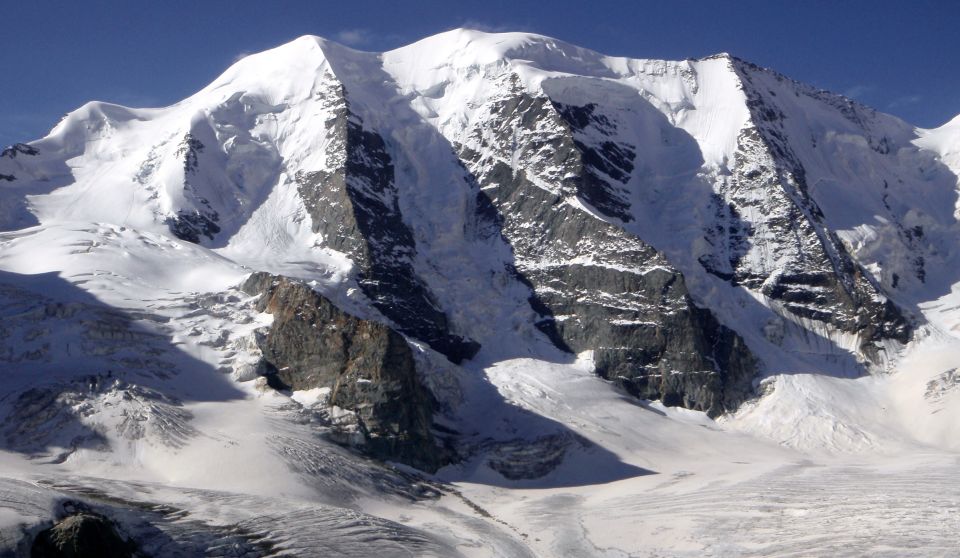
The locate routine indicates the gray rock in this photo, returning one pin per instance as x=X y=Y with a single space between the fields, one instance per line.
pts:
x=597 y=286
x=191 y=225
x=18 y=149
x=83 y=535
x=368 y=367
x=354 y=206
x=820 y=281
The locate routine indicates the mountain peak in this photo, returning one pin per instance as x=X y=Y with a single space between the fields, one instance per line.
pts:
x=432 y=256
x=719 y=55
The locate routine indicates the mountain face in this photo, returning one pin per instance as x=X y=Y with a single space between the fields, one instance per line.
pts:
x=349 y=231
x=531 y=175
x=470 y=183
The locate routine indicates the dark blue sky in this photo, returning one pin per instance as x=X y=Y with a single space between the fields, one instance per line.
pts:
x=900 y=57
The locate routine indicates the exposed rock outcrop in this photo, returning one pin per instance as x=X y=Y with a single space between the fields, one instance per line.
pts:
x=597 y=286
x=201 y=222
x=788 y=253
x=354 y=206
x=82 y=535
x=18 y=149
x=368 y=367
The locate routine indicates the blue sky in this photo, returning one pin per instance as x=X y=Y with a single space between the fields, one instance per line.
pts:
x=899 y=57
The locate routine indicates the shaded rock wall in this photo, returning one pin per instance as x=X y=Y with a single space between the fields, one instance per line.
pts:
x=353 y=204
x=368 y=367
x=597 y=286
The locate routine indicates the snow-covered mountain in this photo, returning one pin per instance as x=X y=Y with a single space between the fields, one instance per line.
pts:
x=335 y=284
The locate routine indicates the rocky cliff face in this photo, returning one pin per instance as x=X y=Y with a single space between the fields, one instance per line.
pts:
x=191 y=225
x=367 y=367
x=598 y=287
x=353 y=205
x=787 y=253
